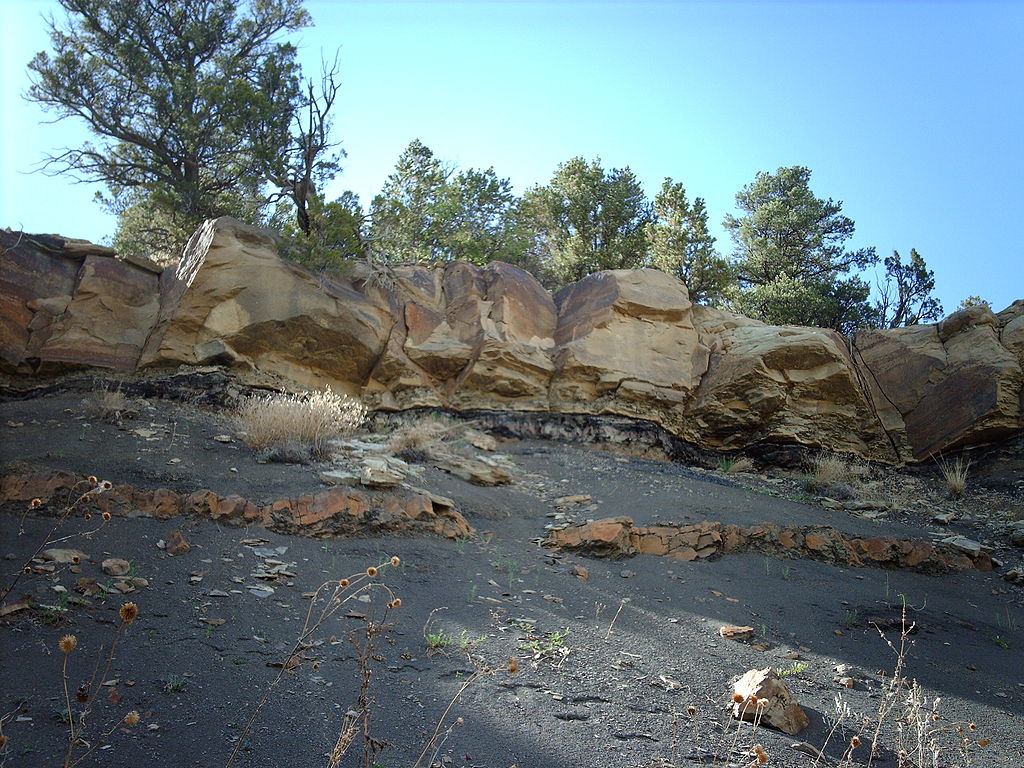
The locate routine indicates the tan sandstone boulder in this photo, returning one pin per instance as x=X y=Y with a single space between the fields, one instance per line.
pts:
x=466 y=337
x=765 y=699
x=785 y=384
x=233 y=301
x=626 y=344
x=956 y=383
x=67 y=304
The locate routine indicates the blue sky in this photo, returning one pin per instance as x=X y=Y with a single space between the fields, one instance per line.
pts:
x=911 y=113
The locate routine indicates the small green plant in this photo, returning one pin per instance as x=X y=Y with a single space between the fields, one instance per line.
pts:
x=53 y=614
x=852 y=618
x=734 y=464
x=467 y=641
x=175 y=684
x=787 y=572
x=437 y=640
x=1000 y=642
x=794 y=669
x=509 y=565
x=548 y=645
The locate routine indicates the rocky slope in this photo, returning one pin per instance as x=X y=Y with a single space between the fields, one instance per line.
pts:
x=624 y=343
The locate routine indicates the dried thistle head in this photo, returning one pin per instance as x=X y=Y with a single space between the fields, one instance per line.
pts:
x=92 y=479
x=106 y=485
x=973 y=726
x=854 y=742
x=68 y=643
x=513 y=665
x=737 y=698
x=396 y=603
x=75 y=559
x=36 y=503
x=371 y=571
x=105 y=516
x=128 y=612
x=343 y=583
x=691 y=711
x=132 y=718
x=87 y=516
x=395 y=560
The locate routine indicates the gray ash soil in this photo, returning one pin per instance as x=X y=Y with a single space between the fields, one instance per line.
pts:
x=607 y=666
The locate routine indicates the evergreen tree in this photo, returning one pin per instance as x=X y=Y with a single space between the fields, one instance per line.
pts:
x=790 y=255
x=681 y=244
x=905 y=298
x=193 y=105
x=587 y=220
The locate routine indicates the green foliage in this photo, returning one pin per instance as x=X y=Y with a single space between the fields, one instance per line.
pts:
x=681 y=244
x=427 y=212
x=905 y=297
x=793 y=669
x=790 y=255
x=151 y=226
x=335 y=235
x=194 y=106
x=973 y=301
x=587 y=220
x=405 y=220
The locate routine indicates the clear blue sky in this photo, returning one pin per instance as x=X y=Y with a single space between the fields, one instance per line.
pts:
x=911 y=113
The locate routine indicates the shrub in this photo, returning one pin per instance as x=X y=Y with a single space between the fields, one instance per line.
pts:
x=108 y=404
x=311 y=418
x=955 y=474
x=422 y=439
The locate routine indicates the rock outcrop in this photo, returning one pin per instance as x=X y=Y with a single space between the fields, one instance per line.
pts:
x=622 y=343
x=618 y=537
x=335 y=512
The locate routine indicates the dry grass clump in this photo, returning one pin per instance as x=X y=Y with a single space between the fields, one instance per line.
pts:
x=830 y=469
x=310 y=418
x=954 y=473
x=834 y=476
x=422 y=439
x=109 y=404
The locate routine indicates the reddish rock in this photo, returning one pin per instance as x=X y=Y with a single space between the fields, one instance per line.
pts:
x=202 y=502
x=176 y=544
x=731 y=632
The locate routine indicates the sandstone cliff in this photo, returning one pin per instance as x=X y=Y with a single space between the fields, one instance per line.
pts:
x=628 y=343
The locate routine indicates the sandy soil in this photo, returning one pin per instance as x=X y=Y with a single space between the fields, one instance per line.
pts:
x=607 y=666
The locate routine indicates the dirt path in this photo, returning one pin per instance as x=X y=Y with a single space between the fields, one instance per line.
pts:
x=607 y=665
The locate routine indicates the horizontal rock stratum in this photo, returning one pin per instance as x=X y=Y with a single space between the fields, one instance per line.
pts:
x=624 y=342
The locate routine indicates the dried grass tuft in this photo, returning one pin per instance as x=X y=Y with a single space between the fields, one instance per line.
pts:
x=422 y=439
x=954 y=473
x=109 y=404
x=827 y=469
x=310 y=418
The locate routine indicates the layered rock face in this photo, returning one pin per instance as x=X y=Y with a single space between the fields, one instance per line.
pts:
x=627 y=343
